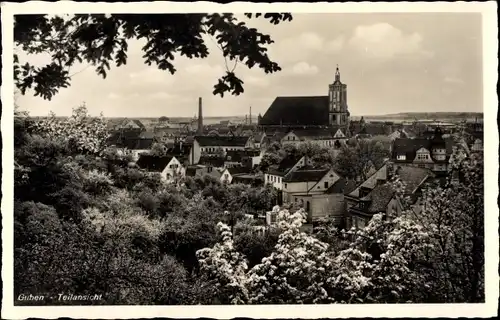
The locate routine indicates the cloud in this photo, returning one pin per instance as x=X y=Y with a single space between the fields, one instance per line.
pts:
x=310 y=40
x=204 y=70
x=151 y=75
x=257 y=81
x=304 y=46
x=160 y=96
x=382 y=40
x=335 y=45
x=113 y=96
x=304 y=69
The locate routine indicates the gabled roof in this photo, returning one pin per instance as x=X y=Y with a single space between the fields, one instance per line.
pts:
x=382 y=193
x=409 y=147
x=311 y=110
x=238 y=170
x=342 y=185
x=238 y=154
x=380 y=198
x=315 y=134
x=306 y=175
x=285 y=165
x=413 y=177
x=153 y=163
x=135 y=121
x=222 y=141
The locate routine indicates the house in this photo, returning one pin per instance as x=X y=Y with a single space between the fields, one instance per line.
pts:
x=229 y=173
x=132 y=140
x=369 y=130
x=399 y=134
x=319 y=191
x=169 y=167
x=217 y=145
x=257 y=139
x=432 y=153
x=253 y=179
x=321 y=137
x=275 y=175
x=202 y=170
x=216 y=161
x=474 y=136
x=133 y=124
x=269 y=138
x=246 y=158
x=377 y=194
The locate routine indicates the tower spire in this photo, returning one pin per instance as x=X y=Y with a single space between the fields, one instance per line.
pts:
x=337 y=74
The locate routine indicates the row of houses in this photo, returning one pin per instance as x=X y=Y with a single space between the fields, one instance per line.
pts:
x=323 y=193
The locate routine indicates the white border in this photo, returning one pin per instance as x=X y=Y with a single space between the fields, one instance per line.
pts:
x=490 y=77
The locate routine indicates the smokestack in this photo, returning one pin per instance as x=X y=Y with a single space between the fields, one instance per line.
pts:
x=250 y=122
x=200 y=117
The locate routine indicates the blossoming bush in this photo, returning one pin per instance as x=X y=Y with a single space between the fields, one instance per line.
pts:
x=83 y=133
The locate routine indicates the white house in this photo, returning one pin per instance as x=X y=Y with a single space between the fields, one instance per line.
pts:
x=321 y=137
x=170 y=168
x=229 y=173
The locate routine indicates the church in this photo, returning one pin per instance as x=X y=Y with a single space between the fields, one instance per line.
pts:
x=329 y=112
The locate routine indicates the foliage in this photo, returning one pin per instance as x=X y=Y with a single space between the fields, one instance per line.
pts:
x=102 y=40
x=158 y=149
x=83 y=133
x=355 y=162
x=319 y=155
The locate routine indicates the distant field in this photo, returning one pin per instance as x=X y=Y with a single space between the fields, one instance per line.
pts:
x=411 y=116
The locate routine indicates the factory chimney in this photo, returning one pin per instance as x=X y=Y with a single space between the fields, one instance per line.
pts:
x=200 y=117
x=250 y=122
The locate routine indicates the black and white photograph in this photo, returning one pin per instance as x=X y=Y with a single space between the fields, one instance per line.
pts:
x=293 y=159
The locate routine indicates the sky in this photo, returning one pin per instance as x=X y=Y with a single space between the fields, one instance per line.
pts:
x=391 y=63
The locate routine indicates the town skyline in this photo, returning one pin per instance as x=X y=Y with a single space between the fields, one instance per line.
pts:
x=424 y=69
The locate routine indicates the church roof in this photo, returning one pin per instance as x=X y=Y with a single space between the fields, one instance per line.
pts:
x=310 y=110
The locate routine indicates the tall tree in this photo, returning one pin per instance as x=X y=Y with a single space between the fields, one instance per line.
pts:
x=102 y=40
x=357 y=161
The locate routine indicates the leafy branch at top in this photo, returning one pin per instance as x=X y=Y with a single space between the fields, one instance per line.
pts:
x=102 y=40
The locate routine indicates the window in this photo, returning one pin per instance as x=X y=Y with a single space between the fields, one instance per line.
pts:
x=326 y=184
x=293 y=138
x=401 y=157
x=421 y=165
x=285 y=185
x=422 y=156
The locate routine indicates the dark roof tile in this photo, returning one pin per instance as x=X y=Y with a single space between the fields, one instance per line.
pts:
x=311 y=110
x=153 y=163
x=306 y=175
x=222 y=141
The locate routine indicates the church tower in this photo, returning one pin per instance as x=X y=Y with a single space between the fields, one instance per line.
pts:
x=338 y=109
